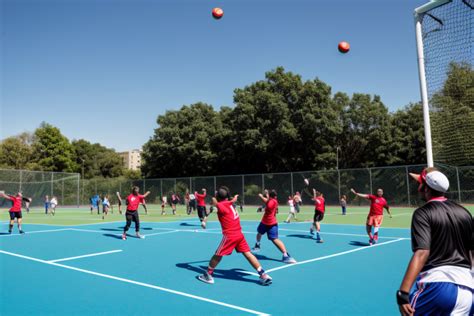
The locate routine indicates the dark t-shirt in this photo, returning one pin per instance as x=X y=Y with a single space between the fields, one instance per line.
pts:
x=446 y=229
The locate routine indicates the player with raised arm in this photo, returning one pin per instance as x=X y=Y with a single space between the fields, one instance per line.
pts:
x=269 y=226
x=319 y=210
x=375 y=217
x=15 y=210
x=131 y=215
x=201 y=207
x=233 y=238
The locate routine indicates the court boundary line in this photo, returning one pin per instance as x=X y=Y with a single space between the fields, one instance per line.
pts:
x=327 y=256
x=147 y=285
x=86 y=256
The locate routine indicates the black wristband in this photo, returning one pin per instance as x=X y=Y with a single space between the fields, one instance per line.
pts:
x=403 y=298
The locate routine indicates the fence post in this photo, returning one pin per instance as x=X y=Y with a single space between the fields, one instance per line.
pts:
x=21 y=180
x=408 y=186
x=174 y=191
x=459 y=185
x=52 y=181
x=191 y=185
x=214 y=186
x=370 y=180
x=339 y=182
x=144 y=187
x=78 y=190
x=292 y=190
x=62 y=191
x=161 y=188
x=95 y=181
x=243 y=190
x=263 y=182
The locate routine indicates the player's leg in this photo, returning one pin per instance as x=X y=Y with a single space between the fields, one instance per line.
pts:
x=136 y=220
x=19 y=220
x=377 y=225
x=12 y=221
x=128 y=218
x=368 y=228
x=207 y=276
x=265 y=279
x=261 y=230
x=288 y=218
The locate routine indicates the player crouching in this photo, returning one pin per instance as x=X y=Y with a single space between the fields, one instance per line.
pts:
x=233 y=238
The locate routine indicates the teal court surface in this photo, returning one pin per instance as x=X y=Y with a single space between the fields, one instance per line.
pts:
x=90 y=270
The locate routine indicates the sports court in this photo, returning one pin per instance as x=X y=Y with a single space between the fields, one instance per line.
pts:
x=88 y=269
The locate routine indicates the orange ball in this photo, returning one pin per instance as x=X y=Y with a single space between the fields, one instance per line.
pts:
x=217 y=13
x=344 y=47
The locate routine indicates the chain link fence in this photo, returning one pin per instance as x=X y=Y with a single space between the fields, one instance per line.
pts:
x=38 y=184
x=399 y=188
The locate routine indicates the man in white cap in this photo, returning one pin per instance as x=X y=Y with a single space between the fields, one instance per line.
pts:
x=442 y=237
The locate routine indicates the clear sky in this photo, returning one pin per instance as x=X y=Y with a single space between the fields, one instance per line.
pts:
x=103 y=70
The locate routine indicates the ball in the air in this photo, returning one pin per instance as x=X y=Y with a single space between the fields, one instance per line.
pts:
x=217 y=13
x=344 y=47
x=306 y=181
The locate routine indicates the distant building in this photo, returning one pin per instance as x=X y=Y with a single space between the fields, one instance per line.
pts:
x=132 y=159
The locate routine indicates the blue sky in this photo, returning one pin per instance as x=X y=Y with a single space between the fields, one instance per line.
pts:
x=103 y=70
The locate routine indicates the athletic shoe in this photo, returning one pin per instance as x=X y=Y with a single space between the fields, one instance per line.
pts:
x=265 y=279
x=288 y=259
x=374 y=241
x=124 y=236
x=319 y=241
x=21 y=232
x=203 y=225
x=206 y=278
x=256 y=248
x=140 y=236
x=311 y=231
x=9 y=231
x=371 y=242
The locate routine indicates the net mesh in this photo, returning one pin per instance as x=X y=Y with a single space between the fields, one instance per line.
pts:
x=447 y=43
x=36 y=185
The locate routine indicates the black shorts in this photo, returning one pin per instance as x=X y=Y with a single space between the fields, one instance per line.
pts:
x=192 y=204
x=318 y=216
x=175 y=202
x=14 y=215
x=201 y=212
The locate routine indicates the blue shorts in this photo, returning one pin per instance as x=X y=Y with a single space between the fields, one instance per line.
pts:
x=443 y=297
x=270 y=230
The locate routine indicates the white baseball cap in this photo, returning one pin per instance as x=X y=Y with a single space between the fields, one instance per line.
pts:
x=436 y=180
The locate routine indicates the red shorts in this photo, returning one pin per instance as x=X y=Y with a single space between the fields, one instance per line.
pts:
x=375 y=220
x=229 y=243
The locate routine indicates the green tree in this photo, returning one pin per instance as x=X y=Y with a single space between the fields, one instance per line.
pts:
x=182 y=143
x=15 y=153
x=52 y=151
x=97 y=160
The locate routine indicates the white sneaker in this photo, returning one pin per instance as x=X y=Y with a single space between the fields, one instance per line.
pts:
x=288 y=259
x=206 y=278
x=265 y=279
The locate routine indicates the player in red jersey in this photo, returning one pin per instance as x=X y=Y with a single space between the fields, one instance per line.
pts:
x=375 y=217
x=269 y=226
x=319 y=209
x=233 y=238
x=201 y=207
x=133 y=202
x=15 y=210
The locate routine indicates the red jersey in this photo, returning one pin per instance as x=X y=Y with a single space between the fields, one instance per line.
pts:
x=229 y=219
x=269 y=218
x=320 y=204
x=16 y=207
x=133 y=201
x=376 y=205
x=200 y=199
x=142 y=199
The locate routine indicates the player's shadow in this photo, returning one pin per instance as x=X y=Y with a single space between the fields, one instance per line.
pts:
x=113 y=229
x=4 y=234
x=188 y=225
x=358 y=243
x=113 y=236
x=300 y=236
x=146 y=228
x=232 y=274
x=265 y=258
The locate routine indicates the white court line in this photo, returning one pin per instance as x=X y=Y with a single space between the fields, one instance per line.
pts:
x=342 y=234
x=38 y=232
x=199 y=298
x=108 y=231
x=328 y=256
x=85 y=256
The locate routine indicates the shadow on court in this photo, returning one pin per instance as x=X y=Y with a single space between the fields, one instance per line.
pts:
x=113 y=236
x=265 y=258
x=113 y=229
x=188 y=225
x=300 y=236
x=4 y=234
x=232 y=274
x=358 y=243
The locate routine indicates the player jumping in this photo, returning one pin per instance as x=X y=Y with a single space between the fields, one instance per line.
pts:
x=233 y=238
x=133 y=202
x=375 y=217
x=269 y=226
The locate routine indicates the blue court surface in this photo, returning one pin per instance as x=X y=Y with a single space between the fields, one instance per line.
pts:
x=90 y=270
